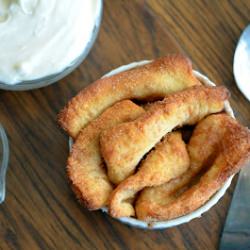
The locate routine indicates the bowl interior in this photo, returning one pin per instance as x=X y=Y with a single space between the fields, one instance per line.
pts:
x=45 y=81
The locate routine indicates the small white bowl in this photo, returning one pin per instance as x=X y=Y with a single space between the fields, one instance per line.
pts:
x=198 y=212
x=49 y=79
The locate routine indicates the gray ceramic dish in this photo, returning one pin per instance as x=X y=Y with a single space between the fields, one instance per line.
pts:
x=4 y=146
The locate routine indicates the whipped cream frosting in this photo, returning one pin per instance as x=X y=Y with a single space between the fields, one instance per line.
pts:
x=39 y=38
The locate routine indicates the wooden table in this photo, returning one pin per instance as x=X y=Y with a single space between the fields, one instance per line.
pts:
x=40 y=211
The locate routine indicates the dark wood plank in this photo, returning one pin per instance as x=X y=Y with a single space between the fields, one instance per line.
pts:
x=40 y=211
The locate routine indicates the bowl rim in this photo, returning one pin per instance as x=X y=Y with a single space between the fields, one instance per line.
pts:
x=205 y=207
x=50 y=79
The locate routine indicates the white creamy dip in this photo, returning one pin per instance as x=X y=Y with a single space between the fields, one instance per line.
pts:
x=42 y=37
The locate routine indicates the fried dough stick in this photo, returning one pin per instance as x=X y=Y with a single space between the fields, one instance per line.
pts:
x=85 y=166
x=124 y=146
x=218 y=142
x=157 y=79
x=169 y=160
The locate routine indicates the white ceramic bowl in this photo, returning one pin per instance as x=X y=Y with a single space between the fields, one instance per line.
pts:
x=47 y=80
x=210 y=203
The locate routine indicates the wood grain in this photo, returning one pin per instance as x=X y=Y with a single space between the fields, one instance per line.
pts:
x=40 y=211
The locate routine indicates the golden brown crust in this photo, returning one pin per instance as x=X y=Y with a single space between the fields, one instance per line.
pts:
x=169 y=160
x=157 y=79
x=123 y=146
x=106 y=125
x=85 y=166
x=218 y=141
